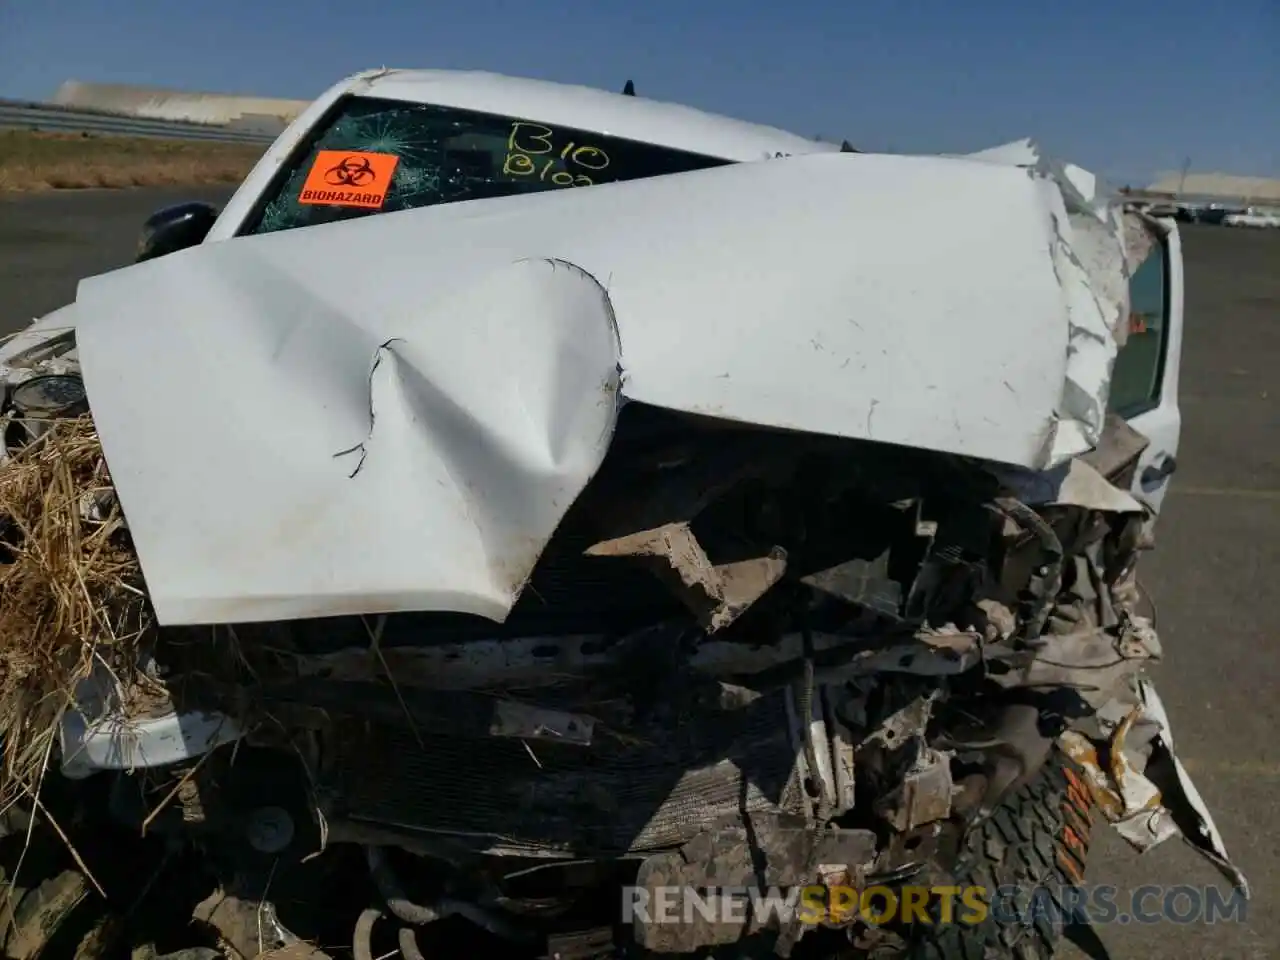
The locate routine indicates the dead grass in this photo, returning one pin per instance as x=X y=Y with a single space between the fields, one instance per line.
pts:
x=53 y=161
x=71 y=596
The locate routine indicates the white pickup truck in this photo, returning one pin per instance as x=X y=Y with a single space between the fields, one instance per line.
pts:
x=766 y=513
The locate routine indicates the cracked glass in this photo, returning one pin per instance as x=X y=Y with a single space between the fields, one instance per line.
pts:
x=444 y=155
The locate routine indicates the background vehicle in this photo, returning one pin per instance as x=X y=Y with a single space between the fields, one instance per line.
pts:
x=1253 y=217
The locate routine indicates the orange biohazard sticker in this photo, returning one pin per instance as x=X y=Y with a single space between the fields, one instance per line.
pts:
x=349 y=178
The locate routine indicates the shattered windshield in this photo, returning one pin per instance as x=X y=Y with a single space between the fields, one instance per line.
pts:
x=378 y=156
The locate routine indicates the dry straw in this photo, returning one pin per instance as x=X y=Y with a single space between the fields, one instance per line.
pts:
x=51 y=161
x=71 y=592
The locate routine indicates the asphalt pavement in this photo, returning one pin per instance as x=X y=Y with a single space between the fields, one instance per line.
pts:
x=49 y=241
x=1212 y=575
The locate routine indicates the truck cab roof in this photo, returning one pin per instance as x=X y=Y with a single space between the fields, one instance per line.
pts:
x=584 y=108
x=622 y=117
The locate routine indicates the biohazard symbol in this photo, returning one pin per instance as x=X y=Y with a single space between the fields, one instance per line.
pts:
x=349 y=178
x=350 y=172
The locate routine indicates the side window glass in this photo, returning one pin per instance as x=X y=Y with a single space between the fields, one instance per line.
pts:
x=1139 y=368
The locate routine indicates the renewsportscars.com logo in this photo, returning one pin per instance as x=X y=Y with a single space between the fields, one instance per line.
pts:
x=877 y=905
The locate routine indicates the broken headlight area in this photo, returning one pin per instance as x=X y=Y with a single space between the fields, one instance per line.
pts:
x=746 y=658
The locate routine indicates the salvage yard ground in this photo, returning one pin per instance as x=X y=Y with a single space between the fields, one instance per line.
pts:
x=55 y=161
x=1212 y=575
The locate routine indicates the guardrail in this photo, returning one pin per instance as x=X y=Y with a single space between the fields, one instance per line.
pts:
x=18 y=115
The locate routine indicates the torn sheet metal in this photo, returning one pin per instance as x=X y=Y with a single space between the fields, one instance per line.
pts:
x=471 y=387
x=1130 y=801
x=1097 y=247
x=1206 y=839
x=1108 y=658
x=1146 y=801
x=100 y=735
x=1073 y=484
x=716 y=593
x=47 y=346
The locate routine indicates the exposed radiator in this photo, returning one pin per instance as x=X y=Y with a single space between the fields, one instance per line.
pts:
x=654 y=786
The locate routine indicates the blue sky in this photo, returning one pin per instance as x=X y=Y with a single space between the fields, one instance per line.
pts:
x=1127 y=87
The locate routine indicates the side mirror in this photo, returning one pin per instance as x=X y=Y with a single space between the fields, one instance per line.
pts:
x=175 y=228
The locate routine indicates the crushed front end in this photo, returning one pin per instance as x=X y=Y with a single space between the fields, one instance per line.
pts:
x=746 y=658
x=736 y=654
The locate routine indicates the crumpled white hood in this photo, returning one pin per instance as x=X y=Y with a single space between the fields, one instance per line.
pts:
x=394 y=413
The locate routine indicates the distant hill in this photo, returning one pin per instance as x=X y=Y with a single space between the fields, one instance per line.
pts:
x=162 y=104
x=1218 y=185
